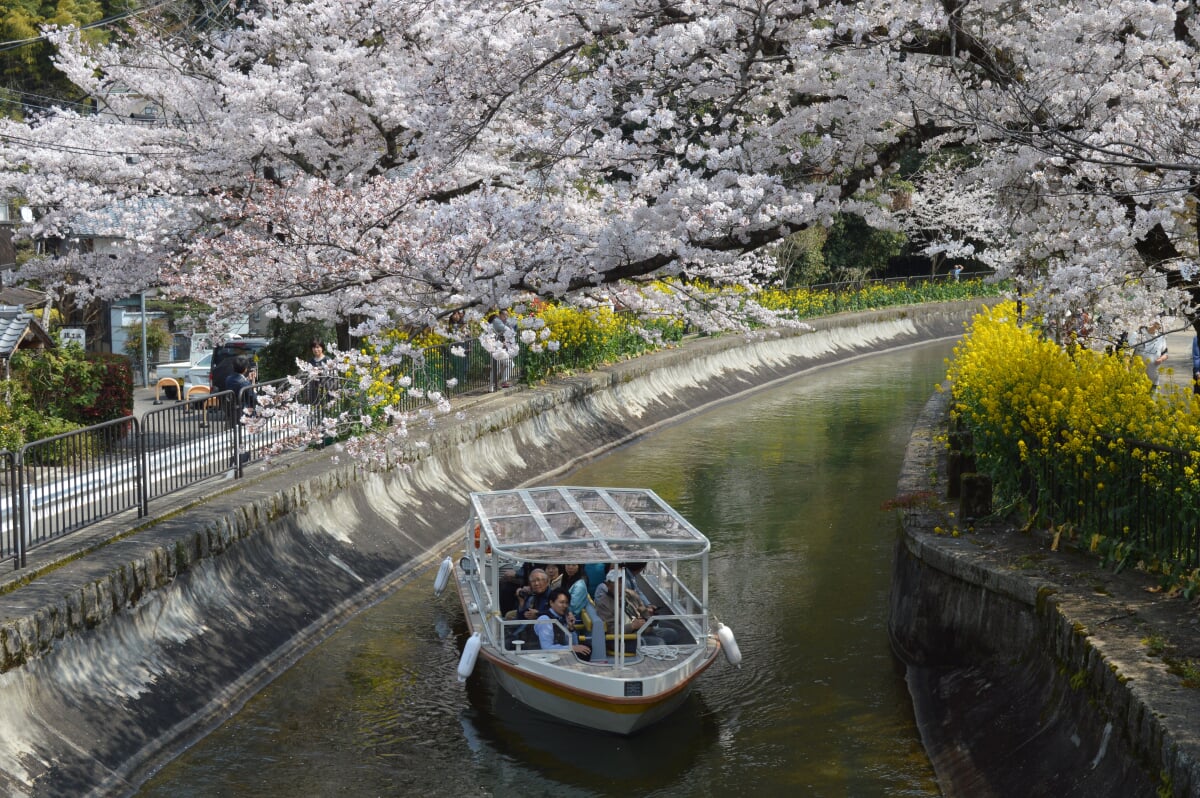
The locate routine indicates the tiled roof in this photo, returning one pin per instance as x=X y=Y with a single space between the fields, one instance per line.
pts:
x=125 y=218
x=21 y=296
x=17 y=325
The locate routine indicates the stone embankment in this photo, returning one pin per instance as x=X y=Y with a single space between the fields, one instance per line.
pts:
x=125 y=642
x=1036 y=672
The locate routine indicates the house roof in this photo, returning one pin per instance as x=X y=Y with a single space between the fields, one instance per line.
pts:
x=21 y=296
x=19 y=327
x=126 y=218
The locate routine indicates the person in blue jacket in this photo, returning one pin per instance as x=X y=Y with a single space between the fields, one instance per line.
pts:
x=241 y=383
x=553 y=636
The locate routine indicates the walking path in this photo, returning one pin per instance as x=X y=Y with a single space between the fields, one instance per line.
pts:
x=1177 y=371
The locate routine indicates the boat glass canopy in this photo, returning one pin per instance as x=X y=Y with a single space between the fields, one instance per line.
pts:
x=581 y=525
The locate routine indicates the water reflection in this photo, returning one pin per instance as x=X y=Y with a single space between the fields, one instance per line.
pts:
x=582 y=758
x=788 y=485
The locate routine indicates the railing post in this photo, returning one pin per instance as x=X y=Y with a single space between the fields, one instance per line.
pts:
x=143 y=470
x=24 y=512
x=238 y=441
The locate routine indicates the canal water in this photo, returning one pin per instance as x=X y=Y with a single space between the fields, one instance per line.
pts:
x=789 y=485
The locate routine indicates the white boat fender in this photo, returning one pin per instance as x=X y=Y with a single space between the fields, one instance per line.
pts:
x=443 y=576
x=729 y=644
x=466 y=663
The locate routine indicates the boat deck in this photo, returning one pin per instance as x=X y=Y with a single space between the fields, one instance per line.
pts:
x=637 y=667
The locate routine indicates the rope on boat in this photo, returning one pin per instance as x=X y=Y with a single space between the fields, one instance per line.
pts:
x=659 y=652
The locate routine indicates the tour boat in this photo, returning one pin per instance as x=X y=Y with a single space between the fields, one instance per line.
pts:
x=619 y=688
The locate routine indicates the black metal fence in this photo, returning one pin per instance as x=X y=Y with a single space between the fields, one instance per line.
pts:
x=10 y=538
x=59 y=485
x=71 y=480
x=907 y=281
x=1139 y=498
x=444 y=371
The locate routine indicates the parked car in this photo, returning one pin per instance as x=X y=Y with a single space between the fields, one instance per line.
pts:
x=221 y=365
x=197 y=373
x=185 y=372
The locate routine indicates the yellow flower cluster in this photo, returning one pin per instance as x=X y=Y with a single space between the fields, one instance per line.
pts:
x=579 y=329
x=1079 y=433
x=421 y=340
x=808 y=303
x=384 y=389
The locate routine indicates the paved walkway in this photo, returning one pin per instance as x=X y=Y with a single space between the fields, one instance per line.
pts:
x=143 y=401
x=1177 y=371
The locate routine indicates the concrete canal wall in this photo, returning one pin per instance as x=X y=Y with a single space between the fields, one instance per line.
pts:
x=124 y=644
x=1028 y=667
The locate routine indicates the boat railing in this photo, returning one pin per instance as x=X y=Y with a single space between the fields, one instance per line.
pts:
x=517 y=646
x=677 y=594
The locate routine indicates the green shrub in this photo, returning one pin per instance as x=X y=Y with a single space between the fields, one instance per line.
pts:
x=60 y=382
x=158 y=339
x=21 y=423
x=114 y=395
x=65 y=385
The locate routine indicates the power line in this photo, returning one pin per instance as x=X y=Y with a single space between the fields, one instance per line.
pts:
x=17 y=43
x=45 y=97
x=75 y=149
x=54 y=103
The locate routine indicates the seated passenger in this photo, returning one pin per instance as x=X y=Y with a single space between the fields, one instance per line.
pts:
x=534 y=598
x=633 y=577
x=575 y=582
x=555 y=573
x=637 y=614
x=510 y=583
x=551 y=636
x=595 y=572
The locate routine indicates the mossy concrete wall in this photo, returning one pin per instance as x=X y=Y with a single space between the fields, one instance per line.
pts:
x=1026 y=665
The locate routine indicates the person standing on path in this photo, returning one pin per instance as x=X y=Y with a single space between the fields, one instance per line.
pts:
x=241 y=382
x=1152 y=348
x=505 y=330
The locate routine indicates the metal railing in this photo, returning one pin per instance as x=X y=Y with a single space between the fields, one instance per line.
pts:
x=184 y=443
x=1141 y=497
x=452 y=375
x=71 y=480
x=58 y=485
x=10 y=498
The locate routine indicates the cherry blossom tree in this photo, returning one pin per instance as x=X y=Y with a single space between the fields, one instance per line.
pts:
x=383 y=160
x=1083 y=116
x=950 y=216
x=386 y=160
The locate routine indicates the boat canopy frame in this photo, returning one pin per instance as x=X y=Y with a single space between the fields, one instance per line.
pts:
x=583 y=525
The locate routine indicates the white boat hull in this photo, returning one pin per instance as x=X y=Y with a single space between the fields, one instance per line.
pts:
x=599 y=713
x=620 y=701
